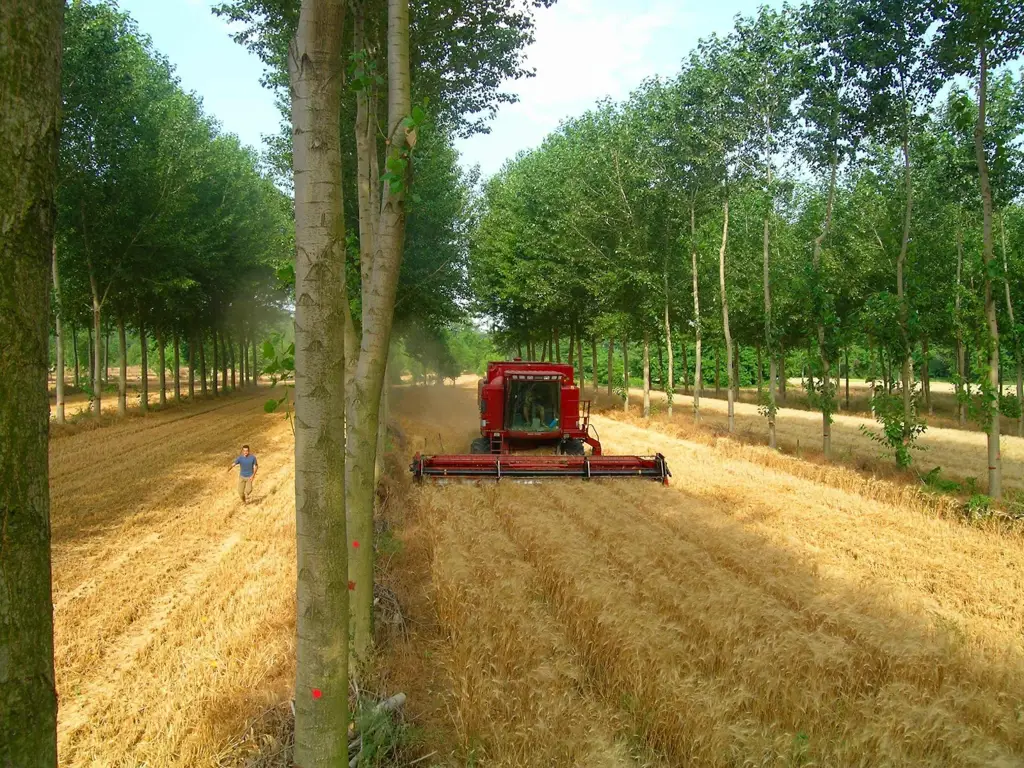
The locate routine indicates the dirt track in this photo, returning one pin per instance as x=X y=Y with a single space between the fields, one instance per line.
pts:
x=749 y=614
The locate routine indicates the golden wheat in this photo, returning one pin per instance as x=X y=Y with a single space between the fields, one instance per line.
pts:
x=761 y=611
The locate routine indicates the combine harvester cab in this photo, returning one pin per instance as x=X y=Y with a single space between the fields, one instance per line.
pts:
x=532 y=407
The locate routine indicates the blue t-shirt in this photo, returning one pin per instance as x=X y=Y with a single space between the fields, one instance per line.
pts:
x=248 y=465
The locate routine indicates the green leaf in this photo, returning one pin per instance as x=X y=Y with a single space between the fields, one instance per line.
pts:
x=270 y=406
x=268 y=351
x=418 y=115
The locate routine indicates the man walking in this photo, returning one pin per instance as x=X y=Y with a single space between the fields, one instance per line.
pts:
x=247 y=466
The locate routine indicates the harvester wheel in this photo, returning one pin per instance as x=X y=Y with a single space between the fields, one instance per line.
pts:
x=480 y=445
x=571 y=447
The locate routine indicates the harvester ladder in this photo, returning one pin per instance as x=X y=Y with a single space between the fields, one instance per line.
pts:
x=496 y=441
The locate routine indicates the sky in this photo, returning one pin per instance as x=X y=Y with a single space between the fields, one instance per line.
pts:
x=584 y=50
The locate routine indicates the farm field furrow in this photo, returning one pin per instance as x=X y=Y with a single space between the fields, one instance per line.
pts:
x=747 y=614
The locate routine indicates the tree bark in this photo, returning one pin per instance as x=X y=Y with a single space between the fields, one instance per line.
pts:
x=846 y=355
x=192 y=367
x=202 y=362
x=59 y=342
x=97 y=382
x=231 y=351
x=243 y=360
x=216 y=370
x=224 y=364
x=30 y=60
x=321 y=700
x=783 y=376
x=177 y=367
x=625 y=372
x=905 y=374
x=593 y=362
x=1014 y=333
x=995 y=473
x=379 y=289
x=826 y=395
x=558 y=347
x=74 y=352
x=144 y=378
x=730 y=368
x=698 y=381
x=670 y=383
x=161 y=356
x=925 y=376
x=122 y=376
x=647 y=375
x=255 y=366
x=572 y=348
x=106 y=355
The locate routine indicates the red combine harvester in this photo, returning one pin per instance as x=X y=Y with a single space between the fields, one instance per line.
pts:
x=526 y=406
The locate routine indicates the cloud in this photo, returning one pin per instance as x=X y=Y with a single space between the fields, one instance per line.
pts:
x=584 y=50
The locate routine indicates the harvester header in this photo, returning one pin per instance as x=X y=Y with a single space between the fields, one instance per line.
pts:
x=526 y=407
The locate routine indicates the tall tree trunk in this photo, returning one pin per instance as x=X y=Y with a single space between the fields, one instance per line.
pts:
x=846 y=355
x=647 y=375
x=231 y=349
x=905 y=374
x=593 y=362
x=216 y=370
x=177 y=367
x=192 y=367
x=59 y=372
x=161 y=356
x=202 y=361
x=97 y=382
x=827 y=397
x=144 y=377
x=90 y=359
x=387 y=223
x=558 y=347
x=572 y=347
x=243 y=360
x=611 y=365
x=925 y=376
x=670 y=386
x=1014 y=333
x=995 y=471
x=959 y=343
x=321 y=677
x=106 y=355
x=122 y=374
x=698 y=381
x=30 y=60
x=769 y=343
x=729 y=367
x=224 y=364
x=625 y=372
x=255 y=365
x=74 y=351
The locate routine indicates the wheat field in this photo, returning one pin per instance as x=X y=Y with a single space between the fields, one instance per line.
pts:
x=173 y=603
x=757 y=612
x=762 y=610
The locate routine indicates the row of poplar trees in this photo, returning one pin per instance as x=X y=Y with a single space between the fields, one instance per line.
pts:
x=166 y=228
x=172 y=245
x=833 y=174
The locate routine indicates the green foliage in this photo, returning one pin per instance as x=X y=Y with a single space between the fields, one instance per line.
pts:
x=978 y=507
x=897 y=437
x=279 y=364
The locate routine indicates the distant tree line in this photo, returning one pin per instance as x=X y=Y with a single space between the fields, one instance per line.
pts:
x=842 y=176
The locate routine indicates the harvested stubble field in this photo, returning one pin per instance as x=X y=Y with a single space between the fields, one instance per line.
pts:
x=173 y=604
x=761 y=611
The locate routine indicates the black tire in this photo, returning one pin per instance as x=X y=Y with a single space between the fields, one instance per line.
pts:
x=480 y=445
x=572 y=447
